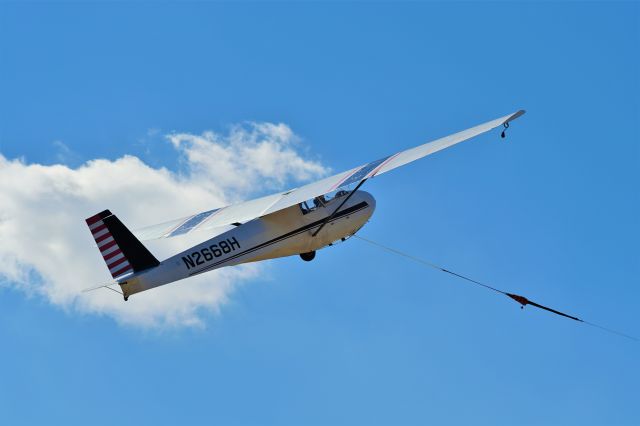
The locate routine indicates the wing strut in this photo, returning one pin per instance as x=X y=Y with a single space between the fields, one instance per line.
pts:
x=332 y=215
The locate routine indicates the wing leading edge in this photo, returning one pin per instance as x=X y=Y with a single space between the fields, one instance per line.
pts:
x=218 y=220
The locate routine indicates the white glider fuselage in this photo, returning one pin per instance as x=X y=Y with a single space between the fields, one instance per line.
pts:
x=284 y=233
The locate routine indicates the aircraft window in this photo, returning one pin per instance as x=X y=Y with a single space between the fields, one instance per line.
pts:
x=313 y=204
x=305 y=207
x=320 y=201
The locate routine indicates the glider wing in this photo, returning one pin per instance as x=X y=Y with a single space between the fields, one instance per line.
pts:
x=219 y=220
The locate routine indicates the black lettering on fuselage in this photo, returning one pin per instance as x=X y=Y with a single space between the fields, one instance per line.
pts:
x=233 y=242
x=216 y=251
x=206 y=254
x=188 y=261
x=197 y=257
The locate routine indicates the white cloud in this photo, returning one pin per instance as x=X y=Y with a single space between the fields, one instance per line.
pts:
x=244 y=159
x=47 y=251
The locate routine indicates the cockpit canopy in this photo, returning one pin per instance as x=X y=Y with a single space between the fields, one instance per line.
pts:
x=320 y=202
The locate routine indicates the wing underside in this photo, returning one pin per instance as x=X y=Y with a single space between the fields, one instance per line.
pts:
x=219 y=220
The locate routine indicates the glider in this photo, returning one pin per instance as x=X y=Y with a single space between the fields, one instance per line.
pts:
x=295 y=222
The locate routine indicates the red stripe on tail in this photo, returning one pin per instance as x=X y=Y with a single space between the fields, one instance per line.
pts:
x=94 y=231
x=102 y=238
x=94 y=219
x=116 y=263
x=110 y=255
x=126 y=269
x=108 y=245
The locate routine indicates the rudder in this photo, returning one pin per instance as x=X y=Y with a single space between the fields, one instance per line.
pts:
x=121 y=250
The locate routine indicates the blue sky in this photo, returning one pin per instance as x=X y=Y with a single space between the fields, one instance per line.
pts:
x=357 y=336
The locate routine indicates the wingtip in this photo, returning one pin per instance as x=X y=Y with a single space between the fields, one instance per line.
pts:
x=515 y=115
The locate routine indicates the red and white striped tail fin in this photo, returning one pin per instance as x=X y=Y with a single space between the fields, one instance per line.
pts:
x=121 y=251
x=111 y=252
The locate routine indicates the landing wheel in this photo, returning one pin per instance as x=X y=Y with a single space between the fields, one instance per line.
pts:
x=126 y=298
x=308 y=257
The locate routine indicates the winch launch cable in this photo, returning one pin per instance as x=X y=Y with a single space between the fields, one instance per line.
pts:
x=523 y=301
